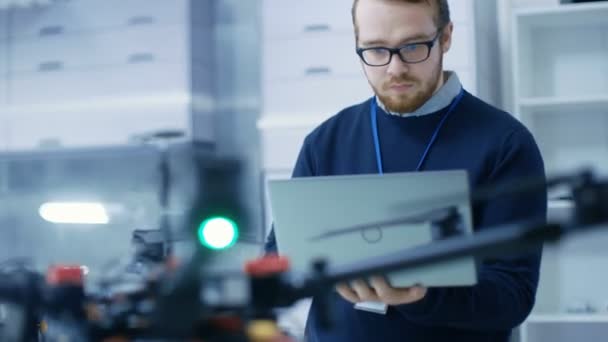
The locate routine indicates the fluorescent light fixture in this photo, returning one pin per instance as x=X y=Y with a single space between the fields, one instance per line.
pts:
x=74 y=212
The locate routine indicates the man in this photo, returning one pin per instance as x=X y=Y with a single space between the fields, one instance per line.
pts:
x=421 y=119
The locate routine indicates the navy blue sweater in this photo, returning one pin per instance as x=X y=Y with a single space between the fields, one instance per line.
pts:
x=494 y=148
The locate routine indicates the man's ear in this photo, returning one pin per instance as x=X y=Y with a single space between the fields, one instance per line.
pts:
x=446 y=37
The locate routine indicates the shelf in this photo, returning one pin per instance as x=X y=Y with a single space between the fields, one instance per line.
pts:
x=111 y=103
x=561 y=52
x=561 y=204
x=561 y=103
x=566 y=15
x=270 y=122
x=564 y=9
x=568 y=318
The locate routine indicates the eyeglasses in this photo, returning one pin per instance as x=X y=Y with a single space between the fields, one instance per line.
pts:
x=408 y=53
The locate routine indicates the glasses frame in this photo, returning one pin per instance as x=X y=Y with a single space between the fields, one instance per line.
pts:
x=396 y=51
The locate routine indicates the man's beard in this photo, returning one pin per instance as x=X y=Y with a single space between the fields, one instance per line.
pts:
x=407 y=103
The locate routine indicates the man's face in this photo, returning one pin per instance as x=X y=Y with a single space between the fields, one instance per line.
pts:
x=402 y=87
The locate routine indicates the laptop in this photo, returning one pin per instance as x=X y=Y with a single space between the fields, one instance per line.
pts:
x=317 y=217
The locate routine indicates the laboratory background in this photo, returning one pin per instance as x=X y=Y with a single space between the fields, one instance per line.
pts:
x=95 y=93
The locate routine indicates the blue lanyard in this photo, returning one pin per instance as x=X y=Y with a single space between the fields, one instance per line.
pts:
x=374 y=118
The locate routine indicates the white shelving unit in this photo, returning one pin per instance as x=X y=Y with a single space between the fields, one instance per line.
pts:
x=565 y=327
x=569 y=318
x=94 y=73
x=560 y=65
x=4 y=38
x=3 y=79
x=309 y=72
x=560 y=88
x=572 y=276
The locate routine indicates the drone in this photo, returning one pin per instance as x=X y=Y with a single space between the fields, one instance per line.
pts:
x=179 y=299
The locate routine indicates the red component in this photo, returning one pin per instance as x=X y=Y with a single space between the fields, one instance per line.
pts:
x=65 y=275
x=228 y=323
x=267 y=265
x=172 y=263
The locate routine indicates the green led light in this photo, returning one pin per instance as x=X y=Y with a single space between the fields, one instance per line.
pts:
x=218 y=232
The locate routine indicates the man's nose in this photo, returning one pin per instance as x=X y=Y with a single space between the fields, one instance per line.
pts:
x=396 y=66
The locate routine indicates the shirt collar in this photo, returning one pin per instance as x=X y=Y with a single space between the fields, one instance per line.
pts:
x=441 y=99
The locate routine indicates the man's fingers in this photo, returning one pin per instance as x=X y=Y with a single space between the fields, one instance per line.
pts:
x=418 y=291
x=347 y=293
x=385 y=292
x=363 y=290
x=396 y=295
x=379 y=291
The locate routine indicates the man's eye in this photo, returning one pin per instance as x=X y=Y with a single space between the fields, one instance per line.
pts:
x=410 y=47
x=377 y=51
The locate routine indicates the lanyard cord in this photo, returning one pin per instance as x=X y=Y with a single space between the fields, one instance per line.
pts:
x=374 y=122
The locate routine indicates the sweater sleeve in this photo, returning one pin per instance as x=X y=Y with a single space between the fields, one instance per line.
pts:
x=303 y=168
x=505 y=292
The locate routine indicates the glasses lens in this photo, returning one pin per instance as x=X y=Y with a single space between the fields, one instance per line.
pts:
x=414 y=53
x=377 y=56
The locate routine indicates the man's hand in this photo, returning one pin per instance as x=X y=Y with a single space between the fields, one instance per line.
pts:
x=380 y=291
